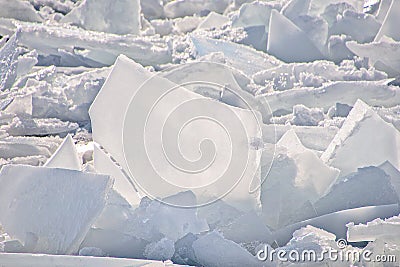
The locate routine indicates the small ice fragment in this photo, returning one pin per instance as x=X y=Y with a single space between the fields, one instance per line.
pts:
x=66 y=156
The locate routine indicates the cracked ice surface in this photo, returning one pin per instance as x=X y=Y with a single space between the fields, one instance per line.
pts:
x=197 y=132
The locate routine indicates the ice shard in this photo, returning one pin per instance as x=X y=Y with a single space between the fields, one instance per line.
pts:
x=66 y=156
x=288 y=42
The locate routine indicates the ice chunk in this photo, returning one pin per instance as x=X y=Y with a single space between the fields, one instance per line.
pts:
x=160 y=250
x=354 y=191
x=145 y=222
x=314 y=138
x=303 y=116
x=183 y=8
x=387 y=229
x=20 y=105
x=8 y=62
x=296 y=8
x=384 y=55
x=361 y=27
x=394 y=175
x=104 y=164
x=66 y=156
x=390 y=24
x=354 y=146
x=384 y=6
x=21 y=10
x=213 y=21
x=27 y=260
x=312 y=173
x=289 y=43
x=317 y=7
x=248 y=228
x=237 y=55
x=336 y=222
x=67 y=45
x=122 y=17
x=222 y=252
x=91 y=251
x=375 y=93
x=152 y=9
x=218 y=214
x=56 y=206
x=252 y=14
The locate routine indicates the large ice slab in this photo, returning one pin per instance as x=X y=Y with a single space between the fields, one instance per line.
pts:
x=354 y=191
x=119 y=17
x=288 y=42
x=50 y=209
x=354 y=146
x=390 y=24
x=151 y=165
x=66 y=156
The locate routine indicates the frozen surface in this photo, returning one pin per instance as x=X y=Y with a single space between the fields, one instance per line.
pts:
x=31 y=198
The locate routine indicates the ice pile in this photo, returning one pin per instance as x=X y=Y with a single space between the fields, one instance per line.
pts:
x=198 y=132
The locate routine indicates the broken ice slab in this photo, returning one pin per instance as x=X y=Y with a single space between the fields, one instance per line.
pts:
x=295 y=8
x=177 y=221
x=387 y=229
x=8 y=62
x=213 y=21
x=183 y=8
x=97 y=15
x=104 y=164
x=360 y=26
x=288 y=42
x=375 y=93
x=42 y=260
x=126 y=77
x=223 y=252
x=354 y=191
x=252 y=14
x=27 y=126
x=383 y=55
x=217 y=81
x=336 y=222
x=20 y=10
x=317 y=7
x=248 y=227
x=53 y=207
x=358 y=143
x=66 y=156
x=294 y=181
x=394 y=175
x=240 y=57
x=314 y=138
x=89 y=45
x=391 y=22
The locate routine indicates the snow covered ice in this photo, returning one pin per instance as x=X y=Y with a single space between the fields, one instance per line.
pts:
x=198 y=132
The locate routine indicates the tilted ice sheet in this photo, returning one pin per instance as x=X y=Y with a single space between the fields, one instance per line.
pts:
x=50 y=209
x=390 y=24
x=354 y=146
